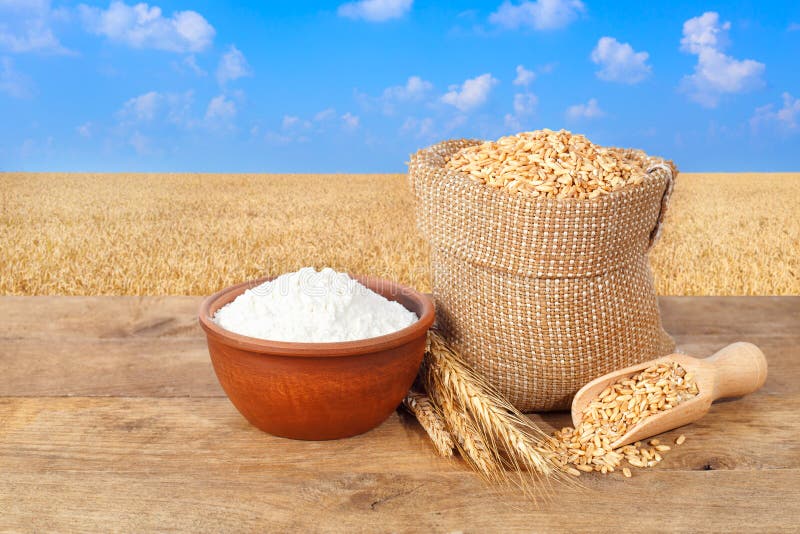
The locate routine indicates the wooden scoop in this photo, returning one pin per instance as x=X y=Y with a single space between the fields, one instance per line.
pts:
x=734 y=371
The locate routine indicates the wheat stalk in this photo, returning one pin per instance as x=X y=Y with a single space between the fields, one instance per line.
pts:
x=431 y=420
x=494 y=437
x=468 y=440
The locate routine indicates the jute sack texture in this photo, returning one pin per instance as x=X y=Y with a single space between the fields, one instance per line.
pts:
x=542 y=295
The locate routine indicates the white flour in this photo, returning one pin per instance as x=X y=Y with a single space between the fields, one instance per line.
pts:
x=311 y=306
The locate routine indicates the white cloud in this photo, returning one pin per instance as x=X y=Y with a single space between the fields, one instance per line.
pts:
x=142 y=26
x=619 y=62
x=525 y=103
x=30 y=31
x=716 y=73
x=191 y=62
x=375 y=10
x=512 y=123
x=429 y=129
x=703 y=32
x=173 y=108
x=790 y=112
x=419 y=128
x=140 y=143
x=179 y=107
x=278 y=139
x=350 y=121
x=31 y=36
x=142 y=108
x=325 y=115
x=524 y=107
x=296 y=129
x=232 y=66
x=454 y=123
x=220 y=108
x=289 y=120
x=415 y=88
x=786 y=118
x=471 y=94
x=524 y=76
x=589 y=110
x=14 y=83
x=85 y=130
x=293 y=122
x=548 y=68
x=538 y=14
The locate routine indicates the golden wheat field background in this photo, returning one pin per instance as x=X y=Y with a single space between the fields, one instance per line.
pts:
x=99 y=234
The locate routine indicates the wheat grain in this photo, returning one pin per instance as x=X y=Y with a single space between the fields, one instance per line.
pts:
x=655 y=389
x=545 y=163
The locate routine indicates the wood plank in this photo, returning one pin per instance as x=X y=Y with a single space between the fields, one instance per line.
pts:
x=167 y=367
x=186 y=436
x=169 y=451
x=206 y=435
x=146 y=366
x=256 y=501
x=99 y=317
x=194 y=464
x=118 y=316
x=151 y=346
x=731 y=316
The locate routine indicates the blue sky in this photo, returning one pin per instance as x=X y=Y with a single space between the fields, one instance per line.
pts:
x=357 y=86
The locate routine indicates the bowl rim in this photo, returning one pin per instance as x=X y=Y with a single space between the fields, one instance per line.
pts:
x=319 y=349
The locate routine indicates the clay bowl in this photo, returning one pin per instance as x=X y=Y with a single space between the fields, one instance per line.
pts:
x=318 y=391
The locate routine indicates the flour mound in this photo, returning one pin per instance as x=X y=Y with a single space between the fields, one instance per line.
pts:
x=314 y=307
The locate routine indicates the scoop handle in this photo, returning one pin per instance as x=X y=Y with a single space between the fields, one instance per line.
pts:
x=740 y=369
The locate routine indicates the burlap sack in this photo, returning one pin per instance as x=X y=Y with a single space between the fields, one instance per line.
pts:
x=542 y=295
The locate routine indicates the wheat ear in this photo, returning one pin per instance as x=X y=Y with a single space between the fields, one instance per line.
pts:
x=495 y=415
x=514 y=443
x=468 y=439
x=430 y=419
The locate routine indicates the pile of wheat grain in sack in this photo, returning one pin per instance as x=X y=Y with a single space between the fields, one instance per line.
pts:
x=539 y=263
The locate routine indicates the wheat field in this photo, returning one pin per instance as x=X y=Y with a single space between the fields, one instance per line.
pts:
x=118 y=234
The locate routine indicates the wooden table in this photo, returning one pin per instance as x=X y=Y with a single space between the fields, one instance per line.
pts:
x=111 y=419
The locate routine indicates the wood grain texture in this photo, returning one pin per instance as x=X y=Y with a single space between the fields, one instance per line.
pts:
x=195 y=464
x=180 y=367
x=100 y=317
x=291 y=501
x=152 y=346
x=731 y=316
x=111 y=419
x=146 y=366
x=207 y=435
x=156 y=316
